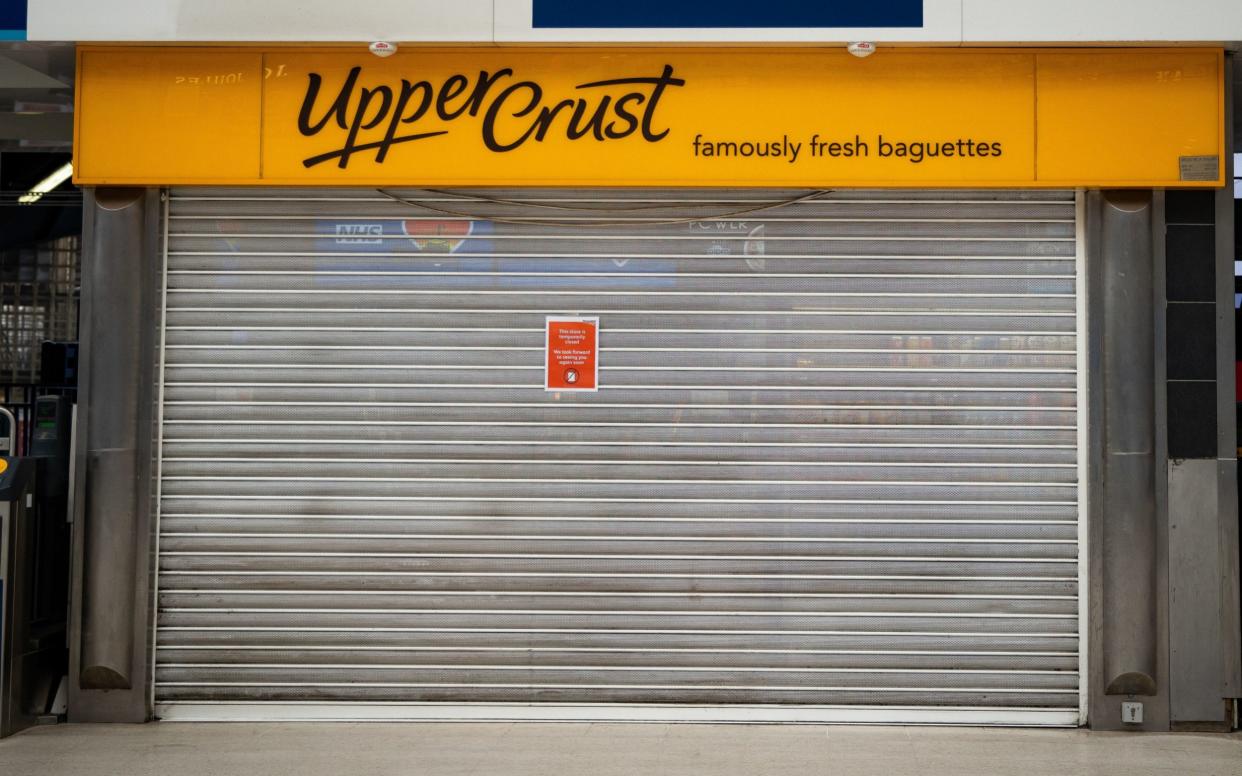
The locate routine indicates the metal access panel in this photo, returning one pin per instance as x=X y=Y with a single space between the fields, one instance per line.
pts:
x=830 y=473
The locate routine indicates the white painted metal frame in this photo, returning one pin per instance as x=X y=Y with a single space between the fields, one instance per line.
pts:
x=1084 y=471
x=159 y=444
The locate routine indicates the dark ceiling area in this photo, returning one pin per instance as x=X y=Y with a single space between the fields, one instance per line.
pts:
x=58 y=213
x=36 y=140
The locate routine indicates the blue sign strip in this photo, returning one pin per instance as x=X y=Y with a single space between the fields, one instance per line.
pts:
x=721 y=14
x=12 y=19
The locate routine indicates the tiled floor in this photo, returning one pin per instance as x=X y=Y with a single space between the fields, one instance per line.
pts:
x=167 y=749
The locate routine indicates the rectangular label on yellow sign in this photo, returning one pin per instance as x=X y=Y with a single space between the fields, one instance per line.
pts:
x=648 y=117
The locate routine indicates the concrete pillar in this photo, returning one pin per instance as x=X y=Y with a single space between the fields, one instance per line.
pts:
x=110 y=621
x=1129 y=578
x=1126 y=594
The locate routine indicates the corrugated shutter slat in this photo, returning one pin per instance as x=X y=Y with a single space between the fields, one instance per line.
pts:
x=833 y=461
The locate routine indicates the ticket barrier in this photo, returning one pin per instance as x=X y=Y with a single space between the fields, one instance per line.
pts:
x=33 y=584
x=17 y=483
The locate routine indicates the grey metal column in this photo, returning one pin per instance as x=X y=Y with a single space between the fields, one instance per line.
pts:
x=1202 y=473
x=1126 y=591
x=112 y=538
x=1227 y=348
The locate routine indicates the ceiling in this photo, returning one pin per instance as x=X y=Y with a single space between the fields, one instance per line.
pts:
x=36 y=96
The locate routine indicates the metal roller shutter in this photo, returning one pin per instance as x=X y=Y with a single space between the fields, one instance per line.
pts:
x=832 y=472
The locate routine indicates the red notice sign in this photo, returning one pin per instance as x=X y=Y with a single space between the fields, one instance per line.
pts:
x=572 y=361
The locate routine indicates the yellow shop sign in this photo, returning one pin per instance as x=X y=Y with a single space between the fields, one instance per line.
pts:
x=651 y=117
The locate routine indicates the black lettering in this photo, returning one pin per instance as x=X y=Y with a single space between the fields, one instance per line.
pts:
x=338 y=109
x=344 y=152
x=548 y=115
x=356 y=110
x=398 y=115
x=452 y=88
x=665 y=80
x=361 y=122
x=595 y=125
x=482 y=86
x=493 y=113
x=623 y=113
x=658 y=84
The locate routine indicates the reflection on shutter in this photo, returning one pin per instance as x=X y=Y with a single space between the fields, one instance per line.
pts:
x=833 y=461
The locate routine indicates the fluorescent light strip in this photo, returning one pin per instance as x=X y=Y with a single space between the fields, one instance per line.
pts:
x=46 y=185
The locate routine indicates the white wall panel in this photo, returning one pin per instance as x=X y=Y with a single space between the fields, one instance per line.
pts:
x=266 y=20
x=461 y=20
x=102 y=20
x=1101 y=20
